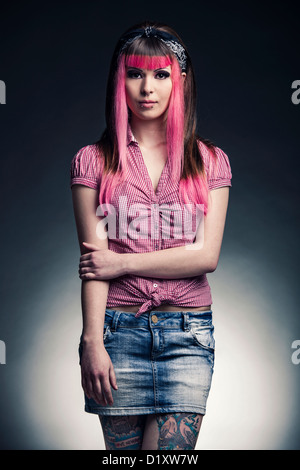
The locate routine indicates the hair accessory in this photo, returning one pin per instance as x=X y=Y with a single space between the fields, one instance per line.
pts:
x=148 y=31
x=171 y=42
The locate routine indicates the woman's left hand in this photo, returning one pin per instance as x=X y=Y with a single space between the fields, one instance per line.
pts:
x=100 y=264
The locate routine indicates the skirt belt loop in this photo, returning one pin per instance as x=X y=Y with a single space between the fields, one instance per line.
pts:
x=185 y=321
x=115 y=320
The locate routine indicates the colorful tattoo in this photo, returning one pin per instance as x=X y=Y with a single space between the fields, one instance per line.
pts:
x=123 y=432
x=178 y=431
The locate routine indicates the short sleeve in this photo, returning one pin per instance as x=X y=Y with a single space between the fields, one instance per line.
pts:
x=218 y=169
x=86 y=167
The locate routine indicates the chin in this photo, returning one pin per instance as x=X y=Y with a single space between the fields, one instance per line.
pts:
x=147 y=114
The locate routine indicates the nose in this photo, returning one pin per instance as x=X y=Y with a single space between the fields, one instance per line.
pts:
x=147 y=85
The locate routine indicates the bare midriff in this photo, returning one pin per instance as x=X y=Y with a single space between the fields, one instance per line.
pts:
x=161 y=308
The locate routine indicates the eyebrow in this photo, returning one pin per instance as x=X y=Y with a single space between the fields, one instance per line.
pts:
x=136 y=68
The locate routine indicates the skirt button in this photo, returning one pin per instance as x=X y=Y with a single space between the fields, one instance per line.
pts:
x=154 y=318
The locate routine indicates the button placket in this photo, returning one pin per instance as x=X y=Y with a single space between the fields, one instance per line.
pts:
x=155 y=224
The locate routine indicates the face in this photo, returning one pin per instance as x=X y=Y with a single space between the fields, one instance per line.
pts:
x=148 y=91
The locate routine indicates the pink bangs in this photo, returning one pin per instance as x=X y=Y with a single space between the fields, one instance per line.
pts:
x=148 y=62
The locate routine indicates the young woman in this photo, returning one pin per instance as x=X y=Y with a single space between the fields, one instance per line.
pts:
x=150 y=201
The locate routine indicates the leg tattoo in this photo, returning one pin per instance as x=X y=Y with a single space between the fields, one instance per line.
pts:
x=123 y=432
x=178 y=431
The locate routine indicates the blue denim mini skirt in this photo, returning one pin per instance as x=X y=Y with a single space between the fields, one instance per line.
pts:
x=163 y=362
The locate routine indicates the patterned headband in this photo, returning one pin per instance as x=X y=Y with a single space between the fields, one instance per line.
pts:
x=171 y=41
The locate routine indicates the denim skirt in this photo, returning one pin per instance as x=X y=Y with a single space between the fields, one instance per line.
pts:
x=163 y=362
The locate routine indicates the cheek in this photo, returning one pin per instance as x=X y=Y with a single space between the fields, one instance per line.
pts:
x=167 y=90
x=129 y=90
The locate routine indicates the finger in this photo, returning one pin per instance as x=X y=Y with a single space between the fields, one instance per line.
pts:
x=80 y=270
x=83 y=384
x=113 y=379
x=106 y=390
x=87 y=276
x=88 y=388
x=86 y=268
x=85 y=263
x=98 y=396
x=85 y=256
x=92 y=390
x=90 y=246
x=99 y=393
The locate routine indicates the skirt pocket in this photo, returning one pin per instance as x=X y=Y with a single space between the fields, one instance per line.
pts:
x=203 y=335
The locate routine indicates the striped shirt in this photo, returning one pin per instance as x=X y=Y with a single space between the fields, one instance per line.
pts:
x=138 y=210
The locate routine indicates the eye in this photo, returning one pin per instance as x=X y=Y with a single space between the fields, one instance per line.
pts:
x=133 y=74
x=162 y=75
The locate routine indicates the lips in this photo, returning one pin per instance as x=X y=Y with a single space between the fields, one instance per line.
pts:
x=147 y=104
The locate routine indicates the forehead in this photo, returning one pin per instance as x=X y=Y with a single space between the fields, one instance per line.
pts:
x=148 y=62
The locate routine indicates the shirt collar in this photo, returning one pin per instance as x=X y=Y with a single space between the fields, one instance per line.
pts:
x=130 y=136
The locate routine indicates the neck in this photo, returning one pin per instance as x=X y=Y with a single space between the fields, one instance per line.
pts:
x=148 y=133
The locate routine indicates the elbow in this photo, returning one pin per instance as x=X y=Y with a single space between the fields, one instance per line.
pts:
x=212 y=265
x=211 y=268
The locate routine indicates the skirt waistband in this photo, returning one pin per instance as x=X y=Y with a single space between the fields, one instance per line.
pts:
x=155 y=319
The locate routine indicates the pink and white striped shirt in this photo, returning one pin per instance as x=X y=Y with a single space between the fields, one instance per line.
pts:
x=138 y=190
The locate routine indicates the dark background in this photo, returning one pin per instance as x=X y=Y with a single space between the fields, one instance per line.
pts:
x=54 y=60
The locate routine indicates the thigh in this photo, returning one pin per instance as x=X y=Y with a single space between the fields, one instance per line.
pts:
x=172 y=431
x=123 y=432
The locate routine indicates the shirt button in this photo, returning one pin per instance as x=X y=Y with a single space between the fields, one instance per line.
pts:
x=154 y=318
x=154 y=285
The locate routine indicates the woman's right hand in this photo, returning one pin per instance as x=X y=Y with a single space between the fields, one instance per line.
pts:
x=97 y=373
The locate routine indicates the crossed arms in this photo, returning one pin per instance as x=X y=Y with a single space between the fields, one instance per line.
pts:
x=99 y=263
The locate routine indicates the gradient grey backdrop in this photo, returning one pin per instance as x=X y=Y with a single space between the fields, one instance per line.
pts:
x=54 y=61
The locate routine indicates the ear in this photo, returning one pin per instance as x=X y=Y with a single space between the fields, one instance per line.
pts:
x=183 y=74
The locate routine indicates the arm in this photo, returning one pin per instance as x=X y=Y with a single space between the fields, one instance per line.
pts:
x=179 y=262
x=96 y=368
x=171 y=263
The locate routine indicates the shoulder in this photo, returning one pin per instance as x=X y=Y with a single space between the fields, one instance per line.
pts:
x=86 y=166
x=217 y=165
x=88 y=154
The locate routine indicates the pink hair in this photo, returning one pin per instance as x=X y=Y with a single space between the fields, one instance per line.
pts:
x=110 y=181
x=175 y=123
x=148 y=62
x=193 y=189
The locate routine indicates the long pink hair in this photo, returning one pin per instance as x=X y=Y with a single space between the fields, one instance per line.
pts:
x=192 y=189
